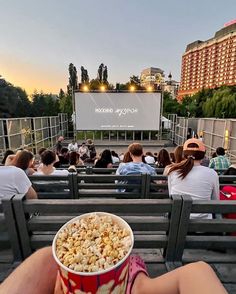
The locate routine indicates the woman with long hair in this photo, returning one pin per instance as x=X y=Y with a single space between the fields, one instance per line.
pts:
x=189 y=177
x=163 y=158
x=105 y=161
x=178 y=154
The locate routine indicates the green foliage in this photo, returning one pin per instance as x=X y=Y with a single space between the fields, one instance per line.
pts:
x=65 y=104
x=13 y=100
x=219 y=102
x=170 y=105
x=45 y=104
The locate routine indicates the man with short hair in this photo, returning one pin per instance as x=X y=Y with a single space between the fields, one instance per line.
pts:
x=14 y=180
x=136 y=166
x=220 y=161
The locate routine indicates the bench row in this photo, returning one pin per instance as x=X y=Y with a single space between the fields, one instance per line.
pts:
x=157 y=223
x=111 y=186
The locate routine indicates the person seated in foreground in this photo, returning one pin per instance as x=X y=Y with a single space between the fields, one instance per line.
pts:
x=221 y=161
x=15 y=181
x=47 y=168
x=193 y=278
x=189 y=177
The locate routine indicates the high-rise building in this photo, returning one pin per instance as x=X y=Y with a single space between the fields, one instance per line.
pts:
x=151 y=76
x=211 y=63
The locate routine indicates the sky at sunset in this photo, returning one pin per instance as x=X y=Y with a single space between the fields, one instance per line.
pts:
x=39 y=39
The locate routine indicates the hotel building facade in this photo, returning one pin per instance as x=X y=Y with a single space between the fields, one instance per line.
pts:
x=211 y=63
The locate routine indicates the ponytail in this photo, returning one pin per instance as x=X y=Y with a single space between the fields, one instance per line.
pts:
x=184 y=167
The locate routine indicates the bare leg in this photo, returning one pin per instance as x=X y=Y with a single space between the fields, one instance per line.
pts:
x=194 y=278
x=37 y=274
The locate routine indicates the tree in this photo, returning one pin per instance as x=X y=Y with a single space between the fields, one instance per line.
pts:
x=65 y=104
x=170 y=105
x=73 y=78
x=9 y=99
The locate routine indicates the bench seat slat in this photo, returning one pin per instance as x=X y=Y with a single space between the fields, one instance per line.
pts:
x=89 y=205
x=142 y=223
x=141 y=241
x=213 y=225
x=204 y=242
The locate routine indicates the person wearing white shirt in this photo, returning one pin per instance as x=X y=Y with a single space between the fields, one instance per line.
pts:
x=189 y=177
x=14 y=180
x=73 y=146
x=48 y=159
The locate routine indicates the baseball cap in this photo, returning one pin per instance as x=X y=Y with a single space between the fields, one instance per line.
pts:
x=200 y=146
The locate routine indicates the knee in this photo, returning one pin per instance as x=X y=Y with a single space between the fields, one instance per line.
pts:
x=45 y=252
x=200 y=266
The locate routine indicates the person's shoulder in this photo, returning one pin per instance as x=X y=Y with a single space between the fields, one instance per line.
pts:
x=207 y=170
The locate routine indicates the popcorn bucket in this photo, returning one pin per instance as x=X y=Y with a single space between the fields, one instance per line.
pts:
x=111 y=280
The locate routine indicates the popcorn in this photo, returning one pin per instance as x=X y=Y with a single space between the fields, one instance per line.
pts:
x=92 y=244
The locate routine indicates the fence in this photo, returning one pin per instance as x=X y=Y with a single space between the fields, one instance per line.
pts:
x=31 y=132
x=219 y=132
x=215 y=132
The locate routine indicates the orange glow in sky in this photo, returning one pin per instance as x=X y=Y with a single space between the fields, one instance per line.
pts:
x=31 y=77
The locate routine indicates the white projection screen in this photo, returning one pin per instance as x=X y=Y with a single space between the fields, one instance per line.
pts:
x=117 y=111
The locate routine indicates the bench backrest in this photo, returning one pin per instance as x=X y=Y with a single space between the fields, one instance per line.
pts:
x=156 y=187
x=147 y=217
x=8 y=231
x=54 y=187
x=213 y=233
x=227 y=180
x=115 y=186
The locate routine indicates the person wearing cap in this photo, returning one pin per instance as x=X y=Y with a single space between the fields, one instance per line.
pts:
x=189 y=177
x=220 y=161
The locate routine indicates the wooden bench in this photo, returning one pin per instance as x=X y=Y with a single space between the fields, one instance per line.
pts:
x=10 y=252
x=115 y=186
x=212 y=239
x=226 y=180
x=53 y=186
x=152 y=229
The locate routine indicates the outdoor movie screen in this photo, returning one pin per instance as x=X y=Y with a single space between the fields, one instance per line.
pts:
x=117 y=111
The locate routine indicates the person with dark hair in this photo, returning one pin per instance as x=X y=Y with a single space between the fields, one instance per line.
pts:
x=105 y=161
x=220 y=161
x=74 y=159
x=115 y=157
x=24 y=160
x=48 y=159
x=64 y=156
x=8 y=152
x=189 y=177
x=163 y=158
